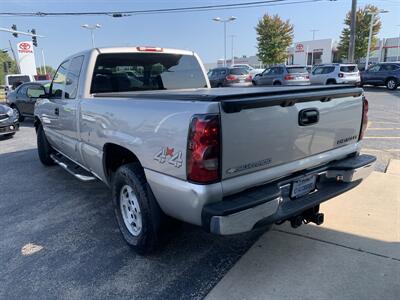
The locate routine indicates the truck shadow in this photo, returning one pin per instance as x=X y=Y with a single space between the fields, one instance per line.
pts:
x=83 y=254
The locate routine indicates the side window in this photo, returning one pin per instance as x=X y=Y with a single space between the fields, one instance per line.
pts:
x=58 y=84
x=222 y=72
x=279 y=71
x=328 y=70
x=71 y=86
x=22 y=90
x=375 y=68
x=318 y=71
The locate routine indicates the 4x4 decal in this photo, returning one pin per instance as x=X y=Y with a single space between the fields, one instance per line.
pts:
x=167 y=155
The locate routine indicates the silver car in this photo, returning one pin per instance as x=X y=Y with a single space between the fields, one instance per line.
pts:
x=335 y=73
x=283 y=75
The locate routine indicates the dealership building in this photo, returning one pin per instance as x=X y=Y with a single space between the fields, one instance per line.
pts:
x=321 y=52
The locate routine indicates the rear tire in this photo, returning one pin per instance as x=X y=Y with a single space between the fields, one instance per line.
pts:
x=44 y=148
x=277 y=83
x=391 y=84
x=137 y=212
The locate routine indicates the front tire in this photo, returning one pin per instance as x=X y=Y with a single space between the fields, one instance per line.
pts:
x=20 y=117
x=44 y=148
x=137 y=212
x=391 y=84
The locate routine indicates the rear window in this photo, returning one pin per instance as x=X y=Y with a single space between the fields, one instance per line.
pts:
x=348 y=69
x=124 y=72
x=20 y=78
x=238 y=71
x=297 y=70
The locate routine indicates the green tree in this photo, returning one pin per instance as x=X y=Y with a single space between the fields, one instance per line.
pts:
x=5 y=58
x=274 y=36
x=49 y=70
x=363 y=23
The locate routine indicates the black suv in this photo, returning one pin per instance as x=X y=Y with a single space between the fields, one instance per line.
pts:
x=387 y=74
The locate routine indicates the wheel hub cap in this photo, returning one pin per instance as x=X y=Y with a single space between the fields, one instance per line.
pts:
x=130 y=210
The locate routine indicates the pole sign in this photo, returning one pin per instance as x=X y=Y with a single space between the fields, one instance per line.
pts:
x=26 y=57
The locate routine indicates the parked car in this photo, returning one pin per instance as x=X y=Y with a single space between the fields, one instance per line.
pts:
x=283 y=75
x=228 y=159
x=252 y=71
x=9 y=124
x=387 y=74
x=233 y=77
x=23 y=99
x=335 y=74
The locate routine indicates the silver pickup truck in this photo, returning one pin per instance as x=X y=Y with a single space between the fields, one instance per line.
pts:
x=146 y=123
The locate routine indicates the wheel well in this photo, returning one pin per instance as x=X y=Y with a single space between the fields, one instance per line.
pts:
x=331 y=80
x=391 y=77
x=115 y=156
x=276 y=82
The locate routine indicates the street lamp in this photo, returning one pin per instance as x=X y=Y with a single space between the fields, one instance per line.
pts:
x=218 y=19
x=372 y=14
x=312 y=49
x=398 y=45
x=92 y=28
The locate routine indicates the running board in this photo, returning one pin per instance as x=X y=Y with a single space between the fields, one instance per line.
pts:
x=72 y=168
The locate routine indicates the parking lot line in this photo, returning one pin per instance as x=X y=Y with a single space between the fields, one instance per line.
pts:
x=393 y=128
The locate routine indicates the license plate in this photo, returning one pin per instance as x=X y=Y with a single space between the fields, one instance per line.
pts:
x=299 y=77
x=303 y=186
x=241 y=80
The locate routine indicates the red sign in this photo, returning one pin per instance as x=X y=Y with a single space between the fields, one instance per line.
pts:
x=299 y=48
x=24 y=47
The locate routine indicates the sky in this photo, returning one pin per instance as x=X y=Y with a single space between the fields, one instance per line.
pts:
x=192 y=30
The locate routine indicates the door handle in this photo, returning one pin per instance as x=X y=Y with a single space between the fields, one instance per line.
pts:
x=57 y=111
x=308 y=116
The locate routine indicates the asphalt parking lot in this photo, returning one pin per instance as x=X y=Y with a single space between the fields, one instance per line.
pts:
x=79 y=251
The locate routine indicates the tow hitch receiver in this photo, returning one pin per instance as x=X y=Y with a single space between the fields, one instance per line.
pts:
x=311 y=215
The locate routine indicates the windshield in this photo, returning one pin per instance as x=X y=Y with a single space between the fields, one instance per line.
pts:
x=18 y=78
x=297 y=70
x=121 y=72
x=238 y=71
x=348 y=69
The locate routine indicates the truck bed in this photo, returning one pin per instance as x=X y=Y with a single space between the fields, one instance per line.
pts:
x=236 y=99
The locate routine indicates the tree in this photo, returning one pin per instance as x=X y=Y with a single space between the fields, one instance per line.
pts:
x=4 y=57
x=274 y=36
x=49 y=70
x=363 y=22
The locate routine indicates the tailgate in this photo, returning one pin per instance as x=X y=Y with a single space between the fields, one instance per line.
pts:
x=266 y=132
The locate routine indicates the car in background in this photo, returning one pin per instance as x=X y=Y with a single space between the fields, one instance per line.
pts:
x=335 y=74
x=23 y=99
x=252 y=71
x=9 y=124
x=12 y=81
x=283 y=75
x=232 y=77
x=382 y=74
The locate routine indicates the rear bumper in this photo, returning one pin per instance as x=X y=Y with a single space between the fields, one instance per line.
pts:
x=271 y=203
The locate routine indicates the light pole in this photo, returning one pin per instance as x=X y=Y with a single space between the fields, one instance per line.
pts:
x=92 y=28
x=372 y=14
x=232 y=52
x=312 y=48
x=218 y=19
x=398 y=45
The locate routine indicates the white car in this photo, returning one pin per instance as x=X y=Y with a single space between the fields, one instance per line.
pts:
x=252 y=71
x=335 y=74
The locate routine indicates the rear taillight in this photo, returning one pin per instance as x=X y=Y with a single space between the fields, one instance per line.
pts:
x=231 y=77
x=364 y=121
x=203 y=149
x=289 y=77
x=307 y=76
x=341 y=75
